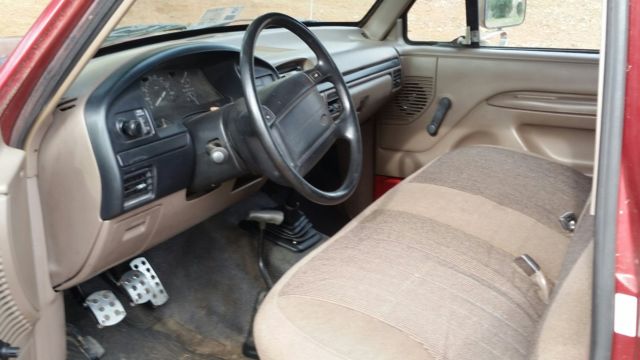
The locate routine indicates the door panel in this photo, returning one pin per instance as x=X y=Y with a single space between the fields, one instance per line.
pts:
x=532 y=101
x=18 y=286
x=31 y=313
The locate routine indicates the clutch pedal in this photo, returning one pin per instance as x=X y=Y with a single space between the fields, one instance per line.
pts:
x=157 y=294
x=105 y=307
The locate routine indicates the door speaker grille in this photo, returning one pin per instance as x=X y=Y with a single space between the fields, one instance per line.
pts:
x=13 y=324
x=411 y=101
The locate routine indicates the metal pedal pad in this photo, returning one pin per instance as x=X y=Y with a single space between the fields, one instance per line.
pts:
x=158 y=294
x=137 y=286
x=106 y=308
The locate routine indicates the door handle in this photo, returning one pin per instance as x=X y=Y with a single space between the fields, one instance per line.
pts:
x=443 y=107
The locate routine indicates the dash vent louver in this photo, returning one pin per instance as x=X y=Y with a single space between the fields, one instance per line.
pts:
x=411 y=101
x=13 y=324
x=137 y=186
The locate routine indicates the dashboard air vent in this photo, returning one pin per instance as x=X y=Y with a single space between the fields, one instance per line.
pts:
x=411 y=101
x=137 y=186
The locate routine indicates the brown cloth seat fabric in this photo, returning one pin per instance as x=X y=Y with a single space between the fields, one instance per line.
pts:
x=427 y=271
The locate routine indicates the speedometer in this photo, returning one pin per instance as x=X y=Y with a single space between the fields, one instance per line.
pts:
x=170 y=95
x=158 y=89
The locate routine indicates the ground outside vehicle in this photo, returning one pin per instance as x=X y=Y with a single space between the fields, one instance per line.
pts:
x=95 y=170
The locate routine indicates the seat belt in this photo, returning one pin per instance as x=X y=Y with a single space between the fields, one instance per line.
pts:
x=531 y=268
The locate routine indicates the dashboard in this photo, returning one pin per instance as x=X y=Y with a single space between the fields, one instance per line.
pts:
x=125 y=160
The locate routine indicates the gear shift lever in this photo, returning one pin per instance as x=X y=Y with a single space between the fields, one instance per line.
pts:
x=264 y=217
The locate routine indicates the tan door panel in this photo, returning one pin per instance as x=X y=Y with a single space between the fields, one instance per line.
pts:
x=31 y=314
x=540 y=104
x=570 y=146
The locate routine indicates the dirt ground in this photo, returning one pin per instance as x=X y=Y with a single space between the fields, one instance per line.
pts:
x=549 y=23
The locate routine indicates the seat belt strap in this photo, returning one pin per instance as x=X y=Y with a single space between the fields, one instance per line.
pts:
x=531 y=268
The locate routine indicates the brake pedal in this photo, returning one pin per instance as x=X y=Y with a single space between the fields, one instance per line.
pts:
x=158 y=295
x=136 y=285
x=105 y=307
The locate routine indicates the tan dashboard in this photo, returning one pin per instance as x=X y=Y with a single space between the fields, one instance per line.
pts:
x=81 y=242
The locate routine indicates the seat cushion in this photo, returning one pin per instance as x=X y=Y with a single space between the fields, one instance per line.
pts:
x=427 y=271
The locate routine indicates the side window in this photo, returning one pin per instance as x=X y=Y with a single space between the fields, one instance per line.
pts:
x=567 y=24
x=436 y=20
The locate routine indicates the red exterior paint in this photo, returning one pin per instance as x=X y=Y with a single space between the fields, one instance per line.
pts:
x=30 y=59
x=628 y=237
x=383 y=184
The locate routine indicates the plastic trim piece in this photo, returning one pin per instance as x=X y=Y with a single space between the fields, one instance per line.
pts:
x=97 y=107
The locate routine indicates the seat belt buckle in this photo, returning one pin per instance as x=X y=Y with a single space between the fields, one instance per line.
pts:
x=531 y=268
x=568 y=221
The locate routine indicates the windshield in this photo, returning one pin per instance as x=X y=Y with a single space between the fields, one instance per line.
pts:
x=147 y=17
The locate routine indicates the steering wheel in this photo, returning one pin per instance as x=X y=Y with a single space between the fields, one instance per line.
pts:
x=291 y=118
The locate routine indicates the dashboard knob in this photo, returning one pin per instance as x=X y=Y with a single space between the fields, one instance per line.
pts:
x=132 y=128
x=218 y=154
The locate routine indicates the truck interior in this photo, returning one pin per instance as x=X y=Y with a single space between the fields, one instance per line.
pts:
x=283 y=189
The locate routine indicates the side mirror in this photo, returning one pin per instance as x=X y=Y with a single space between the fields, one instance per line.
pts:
x=497 y=14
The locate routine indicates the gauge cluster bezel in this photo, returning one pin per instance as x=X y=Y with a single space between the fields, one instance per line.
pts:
x=167 y=150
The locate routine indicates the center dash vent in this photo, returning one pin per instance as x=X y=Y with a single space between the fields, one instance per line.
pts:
x=411 y=101
x=137 y=187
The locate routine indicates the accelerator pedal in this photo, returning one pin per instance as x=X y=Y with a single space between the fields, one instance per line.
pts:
x=105 y=307
x=158 y=295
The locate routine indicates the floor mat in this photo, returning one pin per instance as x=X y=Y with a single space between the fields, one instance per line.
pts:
x=211 y=275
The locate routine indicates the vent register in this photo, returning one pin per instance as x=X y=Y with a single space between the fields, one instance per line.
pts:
x=411 y=101
x=138 y=186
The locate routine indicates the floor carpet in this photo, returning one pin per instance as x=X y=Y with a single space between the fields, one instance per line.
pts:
x=211 y=275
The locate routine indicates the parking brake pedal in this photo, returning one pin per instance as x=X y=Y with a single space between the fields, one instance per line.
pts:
x=142 y=284
x=105 y=307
